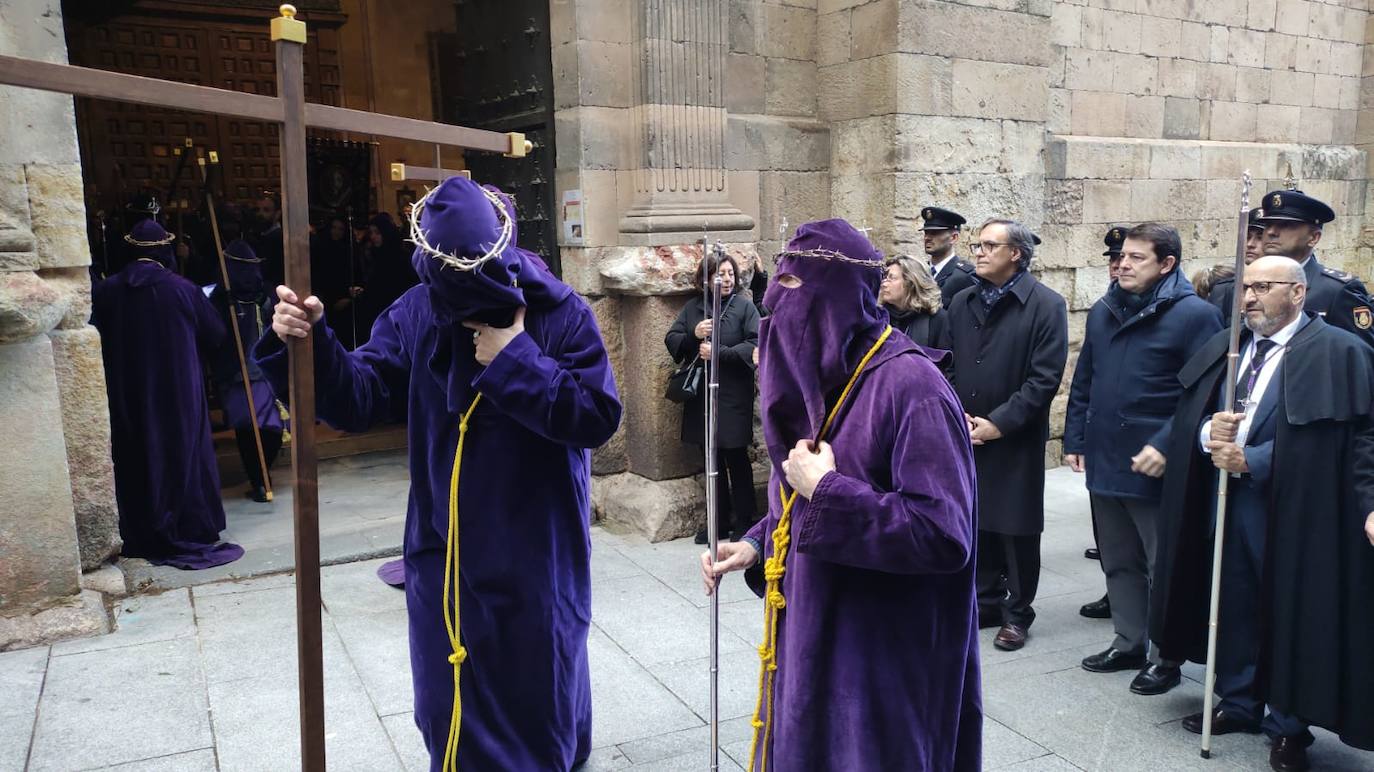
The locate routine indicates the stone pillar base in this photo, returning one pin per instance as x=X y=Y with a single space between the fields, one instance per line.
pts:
x=661 y=510
x=83 y=617
x=658 y=510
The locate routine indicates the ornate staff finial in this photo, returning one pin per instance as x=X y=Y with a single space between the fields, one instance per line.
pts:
x=1289 y=181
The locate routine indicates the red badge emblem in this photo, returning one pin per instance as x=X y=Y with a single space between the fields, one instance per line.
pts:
x=1363 y=318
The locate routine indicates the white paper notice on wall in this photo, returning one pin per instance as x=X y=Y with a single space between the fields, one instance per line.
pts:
x=572 y=218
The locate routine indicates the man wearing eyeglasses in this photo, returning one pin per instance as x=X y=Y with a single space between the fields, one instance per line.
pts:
x=1292 y=222
x=1125 y=386
x=1010 y=340
x=1297 y=572
x=941 y=234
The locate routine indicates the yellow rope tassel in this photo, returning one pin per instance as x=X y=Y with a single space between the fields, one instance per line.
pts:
x=451 y=622
x=773 y=570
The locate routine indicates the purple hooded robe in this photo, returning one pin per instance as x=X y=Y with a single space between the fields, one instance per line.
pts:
x=877 y=643
x=524 y=583
x=154 y=328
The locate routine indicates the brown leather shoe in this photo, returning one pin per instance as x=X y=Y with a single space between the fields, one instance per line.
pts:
x=1011 y=637
x=1222 y=723
x=1289 y=754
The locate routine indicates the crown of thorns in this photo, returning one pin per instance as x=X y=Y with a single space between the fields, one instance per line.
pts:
x=159 y=243
x=452 y=259
x=828 y=254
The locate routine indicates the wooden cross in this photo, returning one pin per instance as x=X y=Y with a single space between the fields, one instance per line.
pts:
x=294 y=114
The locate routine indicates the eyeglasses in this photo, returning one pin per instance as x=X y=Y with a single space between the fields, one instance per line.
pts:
x=1261 y=288
x=987 y=246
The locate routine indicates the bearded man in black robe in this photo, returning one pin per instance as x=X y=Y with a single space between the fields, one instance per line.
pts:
x=1296 y=617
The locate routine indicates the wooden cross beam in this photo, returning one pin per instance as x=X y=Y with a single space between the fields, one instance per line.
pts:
x=136 y=89
x=405 y=172
x=290 y=110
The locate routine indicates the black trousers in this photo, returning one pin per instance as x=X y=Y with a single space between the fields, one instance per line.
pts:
x=735 y=491
x=1007 y=576
x=248 y=452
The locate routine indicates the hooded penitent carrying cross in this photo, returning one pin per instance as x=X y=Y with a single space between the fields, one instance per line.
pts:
x=155 y=326
x=870 y=654
x=499 y=456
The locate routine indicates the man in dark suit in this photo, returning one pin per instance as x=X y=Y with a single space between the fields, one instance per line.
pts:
x=1125 y=386
x=1295 y=619
x=942 y=243
x=1011 y=340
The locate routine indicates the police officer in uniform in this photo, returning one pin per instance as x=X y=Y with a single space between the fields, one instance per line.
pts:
x=1223 y=291
x=942 y=241
x=1113 y=241
x=1293 y=223
x=1115 y=238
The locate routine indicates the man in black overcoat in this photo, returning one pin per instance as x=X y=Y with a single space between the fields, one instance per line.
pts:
x=1296 y=617
x=941 y=233
x=1010 y=339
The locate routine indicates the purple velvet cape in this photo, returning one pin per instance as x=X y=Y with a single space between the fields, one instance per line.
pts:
x=154 y=327
x=524 y=512
x=877 y=647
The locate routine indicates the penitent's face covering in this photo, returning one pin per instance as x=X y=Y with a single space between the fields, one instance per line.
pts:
x=824 y=316
x=150 y=240
x=459 y=218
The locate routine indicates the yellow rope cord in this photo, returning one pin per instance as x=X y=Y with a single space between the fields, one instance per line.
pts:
x=451 y=599
x=773 y=570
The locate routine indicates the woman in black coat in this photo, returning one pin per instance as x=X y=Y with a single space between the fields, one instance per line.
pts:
x=912 y=299
x=691 y=336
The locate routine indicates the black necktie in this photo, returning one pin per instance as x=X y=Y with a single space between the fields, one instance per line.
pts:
x=1246 y=386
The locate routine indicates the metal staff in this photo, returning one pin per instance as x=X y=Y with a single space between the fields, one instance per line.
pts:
x=1224 y=477
x=352 y=282
x=234 y=327
x=712 y=498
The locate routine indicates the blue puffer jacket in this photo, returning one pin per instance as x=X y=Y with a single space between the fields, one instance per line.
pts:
x=1125 y=386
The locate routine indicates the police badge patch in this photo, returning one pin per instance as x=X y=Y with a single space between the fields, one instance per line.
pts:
x=1363 y=318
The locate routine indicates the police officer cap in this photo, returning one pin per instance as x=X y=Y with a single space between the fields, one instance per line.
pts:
x=1294 y=205
x=938 y=219
x=1114 y=239
x=1255 y=218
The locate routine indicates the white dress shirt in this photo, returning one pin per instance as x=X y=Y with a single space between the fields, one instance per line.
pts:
x=940 y=266
x=1266 y=375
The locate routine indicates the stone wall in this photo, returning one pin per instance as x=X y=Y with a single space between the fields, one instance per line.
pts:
x=56 y=481
x=1232 y=70
x=929 y=104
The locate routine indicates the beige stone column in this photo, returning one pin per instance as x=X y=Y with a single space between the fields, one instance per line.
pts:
x=641 y=125
x=679 y=122
x=56 y=480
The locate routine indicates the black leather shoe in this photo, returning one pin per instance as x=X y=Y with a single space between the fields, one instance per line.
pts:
x=258 y=493
x=1092 y=553
x=1289 y=754
x=1011 y=637
x=1222 y=723
x=1112 y=661
x=1156 y=679
x=1098 y=609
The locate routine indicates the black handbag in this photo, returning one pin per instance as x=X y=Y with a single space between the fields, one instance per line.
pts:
x=685 y=382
